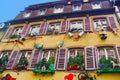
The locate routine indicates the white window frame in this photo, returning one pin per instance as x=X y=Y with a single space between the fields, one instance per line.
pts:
x=78 y=25
x=54 y=26
x=26 y=14
x=7 y=52
x=17 y=31
x=99 y=24
x=58 y=9
x=42 y=12
x=96 y=6
x=34 y=30
x=26 y=53
x=78 y=7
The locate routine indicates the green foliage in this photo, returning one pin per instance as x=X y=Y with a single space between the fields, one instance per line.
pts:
x=50 y=61
x=23 y=61
x=14 y=36
x=70 y=61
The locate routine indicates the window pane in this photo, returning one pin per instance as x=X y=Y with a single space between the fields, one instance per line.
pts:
x=96 y=5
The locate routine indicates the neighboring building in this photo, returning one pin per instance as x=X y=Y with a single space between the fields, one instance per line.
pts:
x=65 y=28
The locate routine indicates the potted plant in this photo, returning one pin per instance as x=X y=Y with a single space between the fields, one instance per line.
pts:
x=14 y=36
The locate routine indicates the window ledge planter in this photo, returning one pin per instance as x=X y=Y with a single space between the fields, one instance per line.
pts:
x=14 y=36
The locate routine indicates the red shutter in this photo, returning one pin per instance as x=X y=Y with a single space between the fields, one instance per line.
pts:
x=34 y=13
x=46 y=28
x=87 y=25
x=112 y=23
x=11 y=59
x=34 y=58
x=17 y=58
x=49 y=11
x=64 y=26
x=105 y=4
x=42 y=28
x=68 y=8
x=118 y=52
x=61 y=59
x=90 y=58
x=9 y=32
x=26 y=29
x=86 y=6
x=20 y=15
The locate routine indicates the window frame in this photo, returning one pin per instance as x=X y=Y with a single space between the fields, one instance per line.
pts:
x=80 y=7
x=54 y=11
x=8 y=52
x=27 y=14
x=16 y=32
x=93 y=5
x=39 y=13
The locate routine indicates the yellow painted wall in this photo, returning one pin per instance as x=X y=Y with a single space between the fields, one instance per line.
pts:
x=50 y=41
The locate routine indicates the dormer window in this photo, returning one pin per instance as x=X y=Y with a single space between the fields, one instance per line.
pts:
x=42 y=12
x=27 y=14
x=34 y=30
x=96 y=5
x=76 y=7
x=58 y=9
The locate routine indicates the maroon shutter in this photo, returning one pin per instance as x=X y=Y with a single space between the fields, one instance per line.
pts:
x=11 y=59
x=46 y=28
x=9 y=32
x=87 y=25
x=33 y=59
x=89 y=58
x=112 y=23
x=105 y=4
x=17 y=58
x=68 y=8
x=34 y=13
x=50 y=10
x=25 y=29
x=64 y=26
x=118 y=52
x=86 y=6
x=42 y=28
x=20 y=15
x=61 y=59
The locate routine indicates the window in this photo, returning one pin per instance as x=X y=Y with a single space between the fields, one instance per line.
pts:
x=76 y=7
x=96 y=5
x=26 y=53
x=42 y=12
x=34 y=30
x=100 y=24
x=58 y=9
x=17 y=31
x=76 y=26
x=6 y=52
x=48 y=53
x=27 y=14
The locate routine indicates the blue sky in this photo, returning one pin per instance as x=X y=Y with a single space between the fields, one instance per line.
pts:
x=10 y=8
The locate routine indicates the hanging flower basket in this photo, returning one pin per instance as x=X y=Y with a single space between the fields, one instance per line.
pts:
x=38 y=46
x=60 y=43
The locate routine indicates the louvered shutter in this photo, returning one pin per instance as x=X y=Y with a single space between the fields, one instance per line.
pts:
x=105 y=4
x=34 y=58
x=50 y=10
x=112 y=23
x=26 y=29
x=46 y=28
x=17 y=58
x=86 y=6
x=20 y=15
x=34 y=13
x=87 y=25
x=64 y=26
x=89 y=58
x=118 y=52
x=11 y=59
x=9 y=32
x=68 y=8
x=61 y=59
x=42 y=28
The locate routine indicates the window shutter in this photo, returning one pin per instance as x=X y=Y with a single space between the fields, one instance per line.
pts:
x=42 y=28
x=87 y=25
x=89 y=58
x=61 y=59
x=9 y=32
x=50 y=10
x=86 y=6
x=34 y=58
x=26 y=29
x=68 y=8
x=20 y=15
x=118 y=52
x=17 y=58
x=112 y=23
x=11 y=59
x=64 y=26
x=34 y=13
x=105 y=4
x=46 y=28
